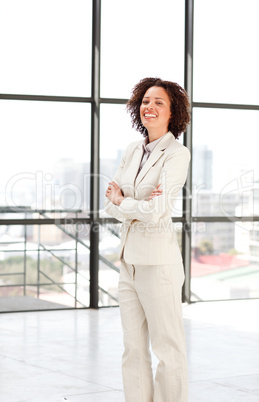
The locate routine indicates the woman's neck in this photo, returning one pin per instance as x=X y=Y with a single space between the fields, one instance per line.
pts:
x=155 y=135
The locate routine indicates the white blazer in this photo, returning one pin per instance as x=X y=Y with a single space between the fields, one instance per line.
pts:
x=147 y=233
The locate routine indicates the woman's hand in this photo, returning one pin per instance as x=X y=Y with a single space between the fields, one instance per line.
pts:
x=114 y=193
x=155 y=192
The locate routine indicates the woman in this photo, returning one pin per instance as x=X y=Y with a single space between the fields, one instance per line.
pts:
x=141 y=196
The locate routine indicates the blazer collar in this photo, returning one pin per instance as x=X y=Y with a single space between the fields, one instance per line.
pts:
x=154 y=156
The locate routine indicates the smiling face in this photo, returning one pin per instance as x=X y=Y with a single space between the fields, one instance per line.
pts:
x=155 y=111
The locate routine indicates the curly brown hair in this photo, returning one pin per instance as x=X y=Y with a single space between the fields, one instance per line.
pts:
x=180 y=105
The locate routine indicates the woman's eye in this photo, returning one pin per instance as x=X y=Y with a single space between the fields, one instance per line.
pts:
x=144 y=102
x=159 y=103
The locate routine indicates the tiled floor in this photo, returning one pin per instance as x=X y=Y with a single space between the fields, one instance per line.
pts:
x=50 y=356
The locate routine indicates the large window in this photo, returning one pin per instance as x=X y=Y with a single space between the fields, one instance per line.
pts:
x=224 y=261
x=140 y=39
x=225 y=175
x=46 y=47
x=67 y=70
x=225 y=168
x=45 y=161
x=225 y=58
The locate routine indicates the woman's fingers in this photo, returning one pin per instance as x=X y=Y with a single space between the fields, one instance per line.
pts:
x=113 y=184
x=155 y=193
x=109 y=188
x=112 y=189
x=157 y=190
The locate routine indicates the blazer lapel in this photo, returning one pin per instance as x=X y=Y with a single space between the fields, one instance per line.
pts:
x=137 y=156
x=131 y=171
x=154 y=156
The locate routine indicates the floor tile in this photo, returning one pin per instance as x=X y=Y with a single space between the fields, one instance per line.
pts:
x=247 y=383
x=22 y=381
x=208 y=391
x=111 y=396
x=46 y=356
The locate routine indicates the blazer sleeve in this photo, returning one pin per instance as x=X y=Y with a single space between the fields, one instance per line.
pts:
x=109 y=207
x=172 y=178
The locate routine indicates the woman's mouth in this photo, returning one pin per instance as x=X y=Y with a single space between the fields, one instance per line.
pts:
x=149 y=115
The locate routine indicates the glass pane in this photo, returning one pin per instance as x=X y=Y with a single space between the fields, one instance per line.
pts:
x=226 y=61
x=31 y=277
x=147 y=41
x=225 y=162
x=45 y=161
x=11 y=270
x=225 y=261
x=44 y=267
x=53 y=294
x=46 y=48
x=59 y=247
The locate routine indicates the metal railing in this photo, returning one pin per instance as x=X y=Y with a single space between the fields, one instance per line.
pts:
x=43 y=280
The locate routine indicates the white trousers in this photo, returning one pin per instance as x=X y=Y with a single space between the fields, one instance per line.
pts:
x=151 y=307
